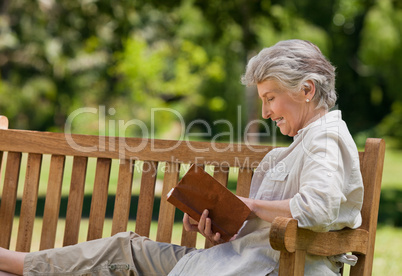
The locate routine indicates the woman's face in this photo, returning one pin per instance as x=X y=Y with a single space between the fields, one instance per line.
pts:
x=290 y=111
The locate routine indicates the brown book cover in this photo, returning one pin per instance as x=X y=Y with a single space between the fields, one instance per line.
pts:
x=197 y=191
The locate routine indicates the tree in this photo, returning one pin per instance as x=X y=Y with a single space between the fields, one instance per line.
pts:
x=127 y=57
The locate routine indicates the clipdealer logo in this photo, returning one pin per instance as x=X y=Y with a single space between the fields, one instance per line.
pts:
x=188 y=133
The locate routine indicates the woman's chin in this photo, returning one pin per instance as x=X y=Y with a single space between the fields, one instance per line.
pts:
x=286 y=132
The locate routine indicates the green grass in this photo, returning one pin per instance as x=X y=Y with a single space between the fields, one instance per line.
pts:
x=388 y=251
x=392 y=175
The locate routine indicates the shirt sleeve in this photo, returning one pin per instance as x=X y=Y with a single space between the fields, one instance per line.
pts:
x=316 y=206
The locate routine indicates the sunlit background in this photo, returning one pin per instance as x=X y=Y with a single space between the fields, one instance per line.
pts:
x=174 y=67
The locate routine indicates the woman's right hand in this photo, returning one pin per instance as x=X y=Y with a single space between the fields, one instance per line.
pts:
x=204 y=227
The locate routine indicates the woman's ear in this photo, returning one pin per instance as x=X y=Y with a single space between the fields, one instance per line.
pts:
x=308 y=89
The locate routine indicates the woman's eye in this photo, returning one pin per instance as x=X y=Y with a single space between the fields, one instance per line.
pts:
x=270 y=99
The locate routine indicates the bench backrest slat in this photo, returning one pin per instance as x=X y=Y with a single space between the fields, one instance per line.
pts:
x=99 y=198
x=75 y=200
x=123 y=197
x=146 y=198
x=52 y=204
x=371 y=166
x=167 y=210
x=243 y=181
x=9 y=196
x=29 y=200
x=2 y=156
x=221 y=174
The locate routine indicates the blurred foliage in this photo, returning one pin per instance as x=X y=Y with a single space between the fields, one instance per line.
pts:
x=124 y=58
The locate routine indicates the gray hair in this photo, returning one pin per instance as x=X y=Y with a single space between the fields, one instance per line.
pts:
x=292 y=63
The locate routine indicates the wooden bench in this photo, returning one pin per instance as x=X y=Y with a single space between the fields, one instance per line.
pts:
x=146 y=164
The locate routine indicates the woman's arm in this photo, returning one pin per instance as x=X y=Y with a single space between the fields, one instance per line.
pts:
x=268 y=210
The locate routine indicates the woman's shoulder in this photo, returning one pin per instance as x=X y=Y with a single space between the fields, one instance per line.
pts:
x=330 y=131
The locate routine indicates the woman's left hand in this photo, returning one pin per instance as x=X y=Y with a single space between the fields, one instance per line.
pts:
x=250 y=204
x=267 y=209
x=204 y=226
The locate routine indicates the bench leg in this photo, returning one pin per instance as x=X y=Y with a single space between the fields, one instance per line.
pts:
x=292 y=263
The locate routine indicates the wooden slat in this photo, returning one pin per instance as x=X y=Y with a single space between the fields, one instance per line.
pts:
x=146 y=198
x=243 y=182
x=132 y=148
x=361 y=158
x=372 y=174
x=29 y=201
x=372 y=169
x=52 y=204
x=75 y=200
x=123 y=197
x=9 y=197
x=1 y=164
x=99 y=199
x=292 y=263
x=167 y=210
x=221 y=173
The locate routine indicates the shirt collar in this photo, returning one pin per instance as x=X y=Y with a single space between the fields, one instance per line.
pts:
x=331 y=116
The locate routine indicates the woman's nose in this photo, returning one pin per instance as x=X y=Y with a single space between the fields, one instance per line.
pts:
x=266 y=113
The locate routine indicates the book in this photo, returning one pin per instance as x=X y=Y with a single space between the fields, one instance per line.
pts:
x=198 y=190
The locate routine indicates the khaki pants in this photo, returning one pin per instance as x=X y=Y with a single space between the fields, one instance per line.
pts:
x=123 y=254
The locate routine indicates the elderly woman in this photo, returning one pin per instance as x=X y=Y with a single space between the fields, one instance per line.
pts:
x=315 y=180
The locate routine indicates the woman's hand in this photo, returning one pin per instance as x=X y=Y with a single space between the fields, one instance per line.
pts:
x=204 y=227
x=250 y=204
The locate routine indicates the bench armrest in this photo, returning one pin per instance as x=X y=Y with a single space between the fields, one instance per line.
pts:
x=286 y=236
